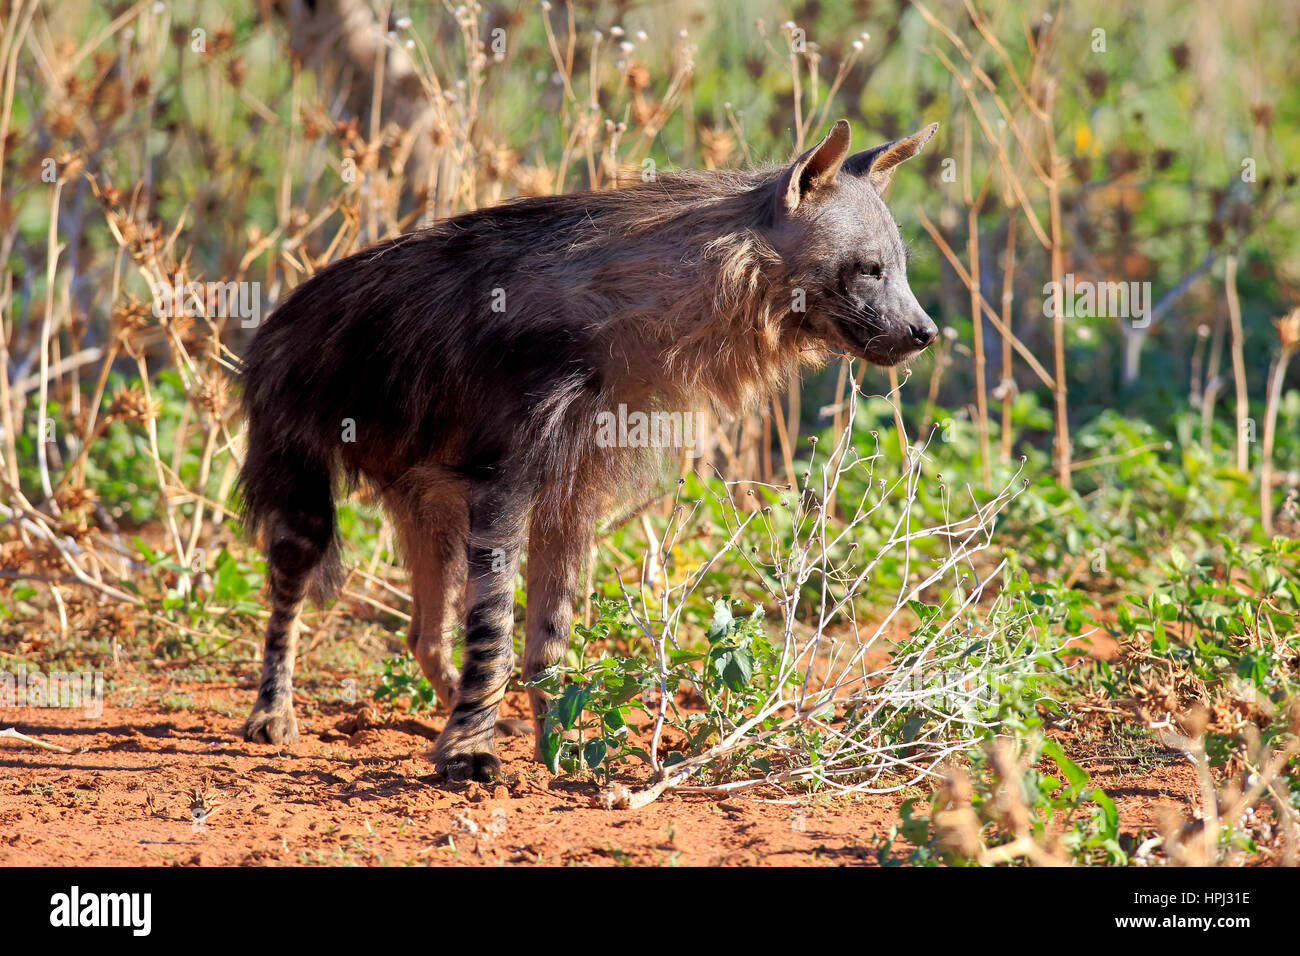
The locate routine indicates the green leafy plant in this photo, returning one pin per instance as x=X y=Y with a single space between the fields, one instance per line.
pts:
x=402 y=678
x=586 y=725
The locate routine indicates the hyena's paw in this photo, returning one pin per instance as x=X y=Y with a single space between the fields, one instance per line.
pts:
x=467 y=757
x=271 y=725
x=483 y=767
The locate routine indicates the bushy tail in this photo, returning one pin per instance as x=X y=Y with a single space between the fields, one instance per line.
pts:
x=287 y=497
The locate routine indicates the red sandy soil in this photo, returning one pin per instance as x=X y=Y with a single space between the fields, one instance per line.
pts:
x=357 y=791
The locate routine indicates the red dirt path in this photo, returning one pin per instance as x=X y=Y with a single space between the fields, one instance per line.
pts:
x=368 y=796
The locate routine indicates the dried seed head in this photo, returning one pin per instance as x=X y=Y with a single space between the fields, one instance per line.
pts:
x=132 y=405
x=128 y=320
x=1288 y=330
x=213 y=393
x=638 y=77
x=717 y=146
x=76 y=499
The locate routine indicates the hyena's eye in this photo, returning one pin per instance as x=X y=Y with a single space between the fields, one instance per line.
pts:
x=871 y=270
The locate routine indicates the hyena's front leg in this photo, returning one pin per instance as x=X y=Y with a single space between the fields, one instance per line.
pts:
x=557 y=552
x=497 y=516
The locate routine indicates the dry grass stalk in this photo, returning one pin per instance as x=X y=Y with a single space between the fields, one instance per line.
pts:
x=1238 y=363
x=1035 y=93
x=1288 y=332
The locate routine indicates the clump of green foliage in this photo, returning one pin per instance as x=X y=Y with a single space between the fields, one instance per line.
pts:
x=402 y=678
x=587 y=723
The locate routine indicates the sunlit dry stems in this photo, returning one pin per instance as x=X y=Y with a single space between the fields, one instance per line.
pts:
x=1043 y=110
x=200 y=483
x=1059 y=392
x=973 y=206
x=36 y=524
x=1000 y=152
x=900 y=430
x=797 y=96
x=817 y=667
x=150 y=423
x=1008 y=383
x=1238 y=361
x=1027 y=98
x=841 y=73
x=376 y=105
x=16 y=26
x=783 y=435
x=52 y=250
x=1288 y=328
x=375 y=603
x=1032 y=360
x=1222 y=807
x=7 y=415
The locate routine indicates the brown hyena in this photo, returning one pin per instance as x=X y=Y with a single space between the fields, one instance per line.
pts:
x=459 y=372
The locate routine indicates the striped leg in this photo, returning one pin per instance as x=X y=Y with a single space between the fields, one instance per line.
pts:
x=557 y=554
x=497 y=516
x=297 y=545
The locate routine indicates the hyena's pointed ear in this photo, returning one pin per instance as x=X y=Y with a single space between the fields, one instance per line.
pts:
x=815 y=168
x=878 y=163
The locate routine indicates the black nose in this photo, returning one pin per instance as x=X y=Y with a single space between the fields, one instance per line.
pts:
x=924 y=331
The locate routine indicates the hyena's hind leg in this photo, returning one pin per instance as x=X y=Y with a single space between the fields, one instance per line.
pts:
x=435 y=555
x=498 y=513
x=559 y=543
x=297 y=542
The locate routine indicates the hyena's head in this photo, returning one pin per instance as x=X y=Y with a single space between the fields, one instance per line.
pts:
x=846 y=259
